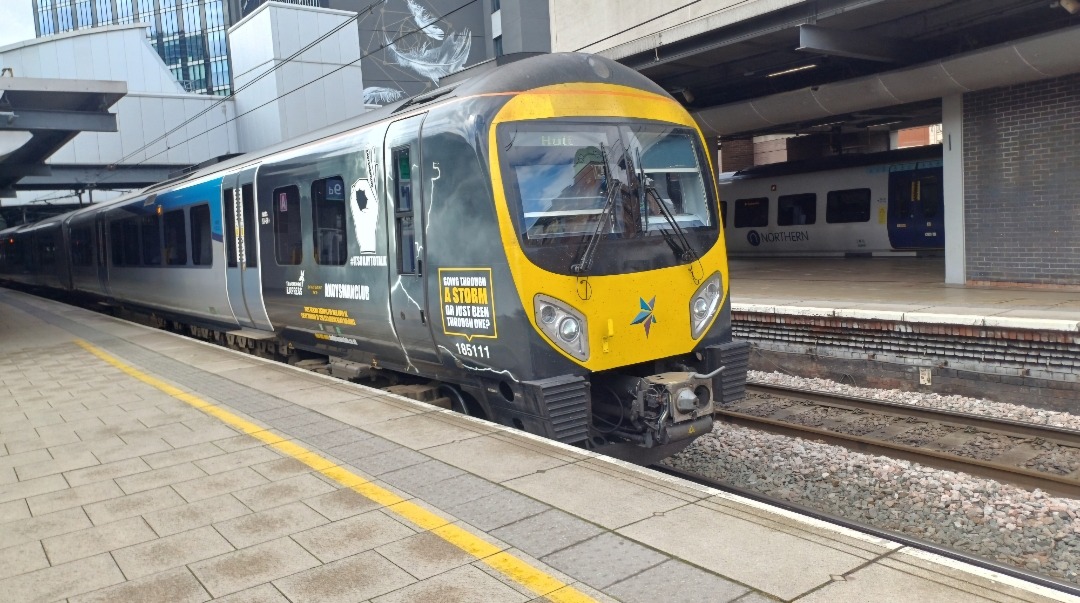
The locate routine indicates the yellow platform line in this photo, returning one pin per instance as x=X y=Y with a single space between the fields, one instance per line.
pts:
x=538 y=581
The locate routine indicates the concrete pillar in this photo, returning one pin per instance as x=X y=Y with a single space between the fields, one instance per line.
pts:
x=952 y=118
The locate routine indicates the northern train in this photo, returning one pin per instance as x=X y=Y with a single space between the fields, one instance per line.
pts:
x=887 y=203
x=541 y=243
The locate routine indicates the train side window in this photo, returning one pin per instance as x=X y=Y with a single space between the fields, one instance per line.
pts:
x=81 y=252
x=931 y=197
x=202 y=253
x=130 y=241
x=796 y=210
x=228 y=210
x=175 y=229
x=752 y=213
x=251 y=225
x=288 y=244
x=46 y=247
x=116 y=241
x=328 y=218
x=723 y=213
x=851 y=205
x=403 y=211
x=150 y=227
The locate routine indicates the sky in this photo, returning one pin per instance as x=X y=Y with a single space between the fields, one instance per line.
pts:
x=16 y=21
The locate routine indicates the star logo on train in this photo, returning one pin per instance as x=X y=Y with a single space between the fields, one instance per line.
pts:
x=645 y=316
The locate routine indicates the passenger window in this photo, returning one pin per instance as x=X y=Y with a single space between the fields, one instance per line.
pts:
x=251 y=225
x=796 y=210
x=931 y=197
x=81 y=252
x=852 y=205
x=752 y=213
x=288 y=244
x=150 y=227
x=130 y=240
x=406 y=232
x=202 y=253
x=175 y=238
x=228 y=209
x=328 y=217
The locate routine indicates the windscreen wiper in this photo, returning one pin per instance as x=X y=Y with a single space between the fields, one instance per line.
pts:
x=614 y=188
x=678 y=243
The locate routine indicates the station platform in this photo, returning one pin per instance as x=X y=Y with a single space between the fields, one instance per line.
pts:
x=137 y=465
x=894 y=323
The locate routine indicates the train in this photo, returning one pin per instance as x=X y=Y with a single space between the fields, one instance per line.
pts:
x=538 y=245
x=880 y=204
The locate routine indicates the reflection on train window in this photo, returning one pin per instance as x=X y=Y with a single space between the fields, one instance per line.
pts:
x=175 y=238
x=560 y=174
x=81 y=251
x=202 y=251
x=288 y=244
x=752 y=213
x=328 y=216
x=851 y=205
x=229 y=211
x=796 y=210
x=150 y=230
x=403 y=212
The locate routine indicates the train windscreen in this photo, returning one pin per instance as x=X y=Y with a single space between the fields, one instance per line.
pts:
x=562 y=175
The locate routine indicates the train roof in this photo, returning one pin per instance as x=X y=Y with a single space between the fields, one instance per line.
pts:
x=836 y=162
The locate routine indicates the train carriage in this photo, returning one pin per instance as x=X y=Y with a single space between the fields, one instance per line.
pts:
x=541 y=243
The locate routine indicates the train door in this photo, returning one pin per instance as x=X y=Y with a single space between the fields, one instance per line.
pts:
x=916 y=206
x=405 y=214
x=242 y=250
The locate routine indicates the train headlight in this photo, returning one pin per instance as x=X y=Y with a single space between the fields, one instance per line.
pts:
x=569 y=329
x=563 y=325
x=704 y=304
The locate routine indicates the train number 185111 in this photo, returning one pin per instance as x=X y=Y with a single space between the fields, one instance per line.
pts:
x=473 y=350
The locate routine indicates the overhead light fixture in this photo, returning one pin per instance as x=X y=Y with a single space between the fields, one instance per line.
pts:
x=794 y=69
x=1073 y=6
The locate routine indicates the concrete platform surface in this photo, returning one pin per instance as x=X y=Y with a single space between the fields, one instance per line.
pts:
x=908 y=289
x=136 y=465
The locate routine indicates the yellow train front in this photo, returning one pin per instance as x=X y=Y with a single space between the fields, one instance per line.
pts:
x=583 y=293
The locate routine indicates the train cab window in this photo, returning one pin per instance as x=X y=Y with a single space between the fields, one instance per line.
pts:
x=81 y=252
x=796 y=210
x=851 y=205
x=403 y=211
x=251 y=225
x=288 y=243
x=202 y=253
x=752 y=213
x=175 y=230
x=328 y=218
x=150 y=231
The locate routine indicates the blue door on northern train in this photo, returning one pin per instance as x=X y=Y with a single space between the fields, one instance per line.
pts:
x=916 y=205
x=242 y=250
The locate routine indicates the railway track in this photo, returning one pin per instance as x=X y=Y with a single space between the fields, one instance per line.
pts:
x=1024 y=454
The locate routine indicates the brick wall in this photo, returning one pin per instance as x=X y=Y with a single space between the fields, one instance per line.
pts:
x=736 y=155
x=1022 y=183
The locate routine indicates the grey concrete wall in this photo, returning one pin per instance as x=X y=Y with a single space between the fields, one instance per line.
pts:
x=525 y=26
x=1022 y=183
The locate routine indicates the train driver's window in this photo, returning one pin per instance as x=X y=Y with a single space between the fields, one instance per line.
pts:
x=796 y=210
x=328 y=218
x=288 y=244
x=403 y=211
x=81 y=254
x=175 y=229
x=150 y=227
x=202 y=253
x=752 y=213
x=851 y=205
x=130 y=240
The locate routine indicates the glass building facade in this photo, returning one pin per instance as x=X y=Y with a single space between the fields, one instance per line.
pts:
x=188 y=34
